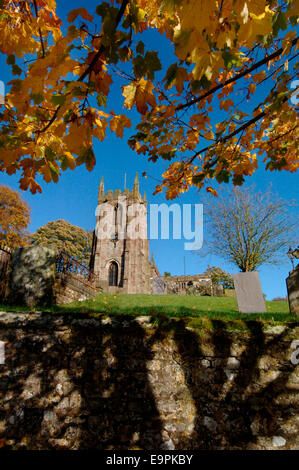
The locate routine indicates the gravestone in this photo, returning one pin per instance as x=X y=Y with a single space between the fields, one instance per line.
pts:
x=32 y=276
x=249 y=292
x=293 y=290
x=158 y=285
x=218 y=290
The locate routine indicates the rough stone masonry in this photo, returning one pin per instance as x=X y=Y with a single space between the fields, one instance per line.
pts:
x=75 y=382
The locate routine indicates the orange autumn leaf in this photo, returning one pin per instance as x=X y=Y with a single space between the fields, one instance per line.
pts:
x=212 y=191
x=226 y=104
x=73 y=14
x=208 y=113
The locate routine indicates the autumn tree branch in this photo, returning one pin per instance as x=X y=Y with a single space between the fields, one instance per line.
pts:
x=39 y=30
x=91 y=65
x=229 y=136
x=102 y=48
x=255 y=66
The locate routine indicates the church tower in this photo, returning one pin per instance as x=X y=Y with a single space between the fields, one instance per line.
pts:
x=120 y=251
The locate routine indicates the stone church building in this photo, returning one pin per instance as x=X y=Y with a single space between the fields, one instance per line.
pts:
x=120 y=256
x=120 y=260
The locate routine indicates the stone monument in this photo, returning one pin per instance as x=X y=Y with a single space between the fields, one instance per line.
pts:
x=293 y=283
x=249 y=292
x=32 y=276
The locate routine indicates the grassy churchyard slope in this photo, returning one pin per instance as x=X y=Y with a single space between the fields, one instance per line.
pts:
x=198 y=312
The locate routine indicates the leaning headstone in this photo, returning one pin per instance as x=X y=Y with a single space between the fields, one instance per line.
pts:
x=293 y=291
x=32 y=276
x=249 y=292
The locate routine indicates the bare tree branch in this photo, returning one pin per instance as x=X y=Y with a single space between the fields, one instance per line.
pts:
x=249 y=228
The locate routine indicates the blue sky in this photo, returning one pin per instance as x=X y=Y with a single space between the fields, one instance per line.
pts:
x=74 y=198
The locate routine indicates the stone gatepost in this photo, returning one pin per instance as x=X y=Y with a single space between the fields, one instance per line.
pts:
x=32 y=276
x=293 y=290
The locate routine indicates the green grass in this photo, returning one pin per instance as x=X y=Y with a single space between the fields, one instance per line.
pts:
x=171 y=305
x=197 y=312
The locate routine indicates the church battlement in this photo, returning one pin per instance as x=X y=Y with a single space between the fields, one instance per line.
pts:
x=132 y=196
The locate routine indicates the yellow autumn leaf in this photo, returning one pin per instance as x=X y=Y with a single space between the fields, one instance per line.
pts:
x=208 y=63
x=70 y=159
x=77 y=137
x=144 y=96
x=141 y=94
x=118 y=123
x=100 y=130
x=129 y=92
x=103 y=114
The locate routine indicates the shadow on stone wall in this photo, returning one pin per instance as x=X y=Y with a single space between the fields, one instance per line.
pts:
x=81 y=384
x=248 y=403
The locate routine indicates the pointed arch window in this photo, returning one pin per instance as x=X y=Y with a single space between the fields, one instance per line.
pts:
x=113 y=274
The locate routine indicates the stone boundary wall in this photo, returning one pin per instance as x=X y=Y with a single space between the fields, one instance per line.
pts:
x=195 y=285
x=118 y=383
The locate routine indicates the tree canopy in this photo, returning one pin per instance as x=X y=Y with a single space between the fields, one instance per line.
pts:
x=226 y=104
x=220 y=277
x=250 y=228
x=14 y=218
x=70 y=239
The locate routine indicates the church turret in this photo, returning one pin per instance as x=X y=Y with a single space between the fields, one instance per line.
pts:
x=136 y=186
x=101 y=190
